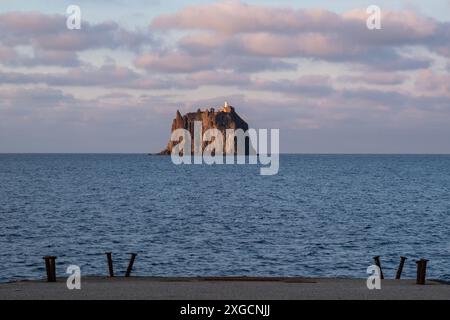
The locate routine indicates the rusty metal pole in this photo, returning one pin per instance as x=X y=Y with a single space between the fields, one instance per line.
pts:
x=110 y=263
x=53 y=268
x=378 y=264
x=419 y=272
x=400 y=268
x=48 y=268
x=130 y=264
x=424 y=271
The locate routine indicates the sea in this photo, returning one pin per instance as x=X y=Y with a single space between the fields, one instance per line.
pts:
x=320 y=216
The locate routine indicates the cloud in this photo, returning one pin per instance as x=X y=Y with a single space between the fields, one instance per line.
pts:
x=311 y=85
x=428 y=81
x=48 y=120
x=302 y=70
x=113 y=76
x=39 y=57
x=235 y=17
x=185 y=62
x=375 y=78
x=343 y=120
x=52 y=43
x=173 y=62
x=237 y=28
x=230 y=34
x=7 y=54
x=49 y=32
x=225 y=78
x=29 y=103
x=108 y=75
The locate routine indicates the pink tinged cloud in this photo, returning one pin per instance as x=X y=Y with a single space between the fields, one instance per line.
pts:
x=307 y=44
x=6 y=53
x=233 y=17
x=51 y=41
x=428 y=81
x=173 y=62
x=19 y=23
x=286 y=32
x=375 y=78
x=230 y=17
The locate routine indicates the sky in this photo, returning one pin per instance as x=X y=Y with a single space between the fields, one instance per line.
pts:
x=309 y=68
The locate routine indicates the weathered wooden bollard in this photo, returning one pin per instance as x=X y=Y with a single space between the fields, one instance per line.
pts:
x=400 y=267
x=130 y=264
x=110 y=263
x=421 y=271
x=378 y=264
x=50 y=268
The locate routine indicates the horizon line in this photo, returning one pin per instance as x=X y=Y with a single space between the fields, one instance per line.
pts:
x=281 y=153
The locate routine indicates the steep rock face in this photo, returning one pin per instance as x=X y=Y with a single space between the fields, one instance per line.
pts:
x=225 y=118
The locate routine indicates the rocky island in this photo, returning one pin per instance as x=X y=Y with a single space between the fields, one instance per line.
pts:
x=222 y=119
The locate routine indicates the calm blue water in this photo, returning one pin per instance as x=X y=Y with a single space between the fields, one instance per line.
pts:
x=322 y=215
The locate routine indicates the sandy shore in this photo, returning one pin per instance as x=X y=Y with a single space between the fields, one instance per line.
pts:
x=215 y=288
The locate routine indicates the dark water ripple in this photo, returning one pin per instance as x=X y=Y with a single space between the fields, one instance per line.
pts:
x=322 y=215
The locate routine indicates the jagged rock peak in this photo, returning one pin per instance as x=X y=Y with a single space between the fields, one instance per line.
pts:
x=224 y=118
